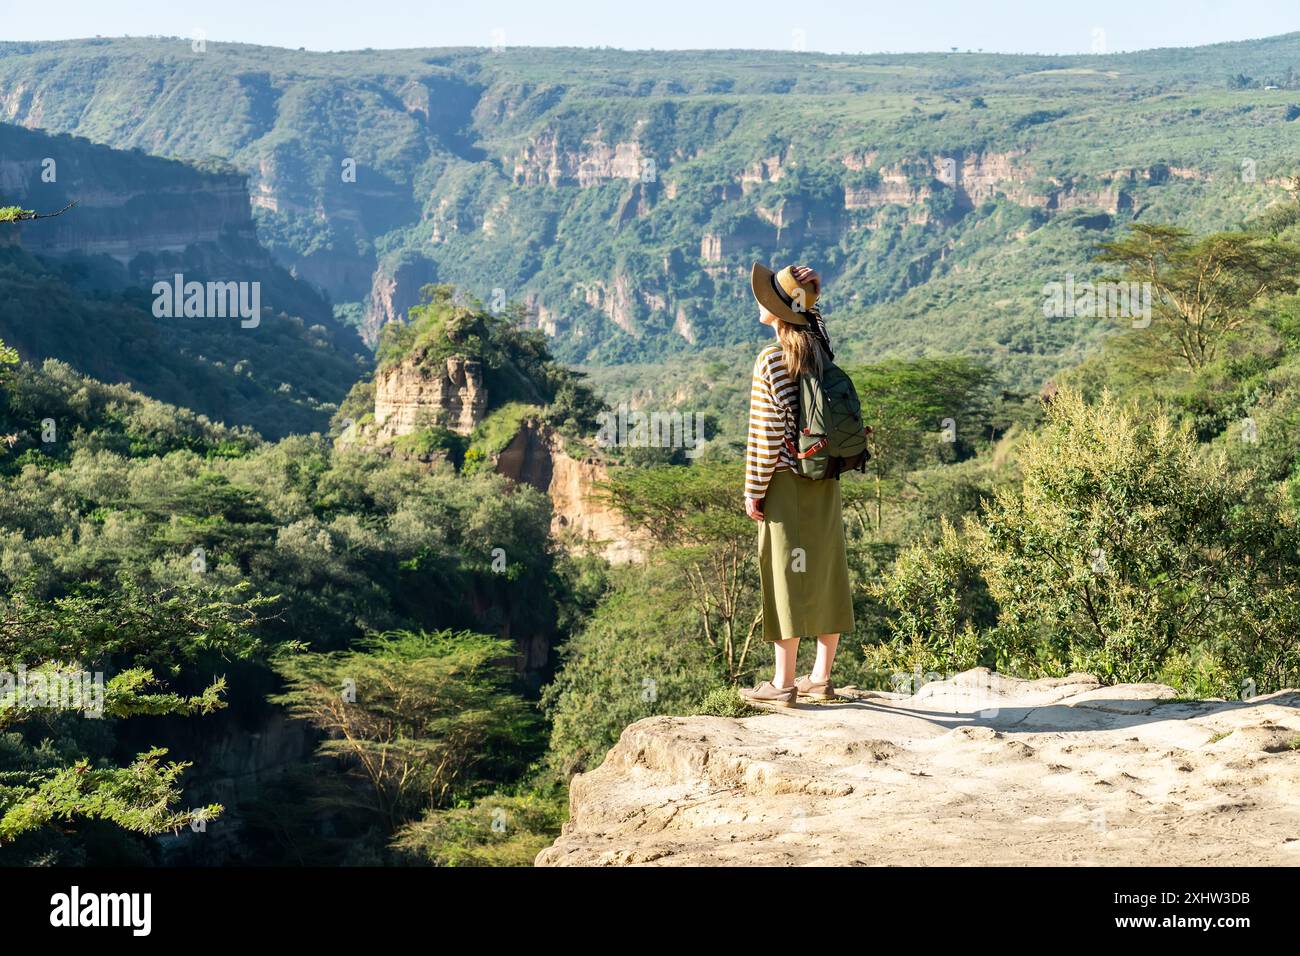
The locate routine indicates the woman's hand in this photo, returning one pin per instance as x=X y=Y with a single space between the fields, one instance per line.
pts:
x=806 y=274
x=754 y=508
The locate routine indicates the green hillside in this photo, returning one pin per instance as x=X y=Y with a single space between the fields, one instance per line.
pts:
x=523 y=174
x=287 y=378
x=150 y=544
x=78 y=287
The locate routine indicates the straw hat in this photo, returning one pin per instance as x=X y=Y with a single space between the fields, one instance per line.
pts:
x=781 y=294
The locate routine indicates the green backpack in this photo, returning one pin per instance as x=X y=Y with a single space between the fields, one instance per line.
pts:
x=832 y=438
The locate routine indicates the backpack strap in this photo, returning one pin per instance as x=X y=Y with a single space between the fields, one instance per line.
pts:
x=801 y=455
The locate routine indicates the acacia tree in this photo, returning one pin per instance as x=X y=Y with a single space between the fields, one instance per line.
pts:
x=63 y=639
x=906 y=403
x=8 y=359
x=56 y=643
x=19 y=214
x=413 y=714
x=693 y=515
x=1202 y=289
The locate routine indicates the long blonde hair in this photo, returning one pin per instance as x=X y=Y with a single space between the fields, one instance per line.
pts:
x=801 y=348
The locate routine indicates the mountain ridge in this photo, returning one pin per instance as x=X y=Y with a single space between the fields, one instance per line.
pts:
x=620 y=195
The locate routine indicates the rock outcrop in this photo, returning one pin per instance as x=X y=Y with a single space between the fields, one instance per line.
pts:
x=413 y=395
x=979 y=769
x=616 y=300
x=580 y=519
x=770 y=169
x=977 y=177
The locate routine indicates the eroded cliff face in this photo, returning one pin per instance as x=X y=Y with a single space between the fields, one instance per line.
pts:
x=394 y=289
x=977 y=177
x=980 y=769
x=580 y=519
x=973 y=177
x=770 y=169
x=23 y=103
x=415 y=394
x=127 y=204
x=617 y=299
x=546 y=161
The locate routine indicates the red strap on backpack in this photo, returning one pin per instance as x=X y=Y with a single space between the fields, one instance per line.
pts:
x=801 y=455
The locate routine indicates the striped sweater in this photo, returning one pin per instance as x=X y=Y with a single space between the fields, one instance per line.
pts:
x=773 y=416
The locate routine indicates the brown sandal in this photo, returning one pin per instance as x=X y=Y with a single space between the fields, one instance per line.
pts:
x=767 y=693
x=807 y=687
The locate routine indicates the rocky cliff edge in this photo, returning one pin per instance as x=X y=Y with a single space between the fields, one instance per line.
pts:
x=979 y=769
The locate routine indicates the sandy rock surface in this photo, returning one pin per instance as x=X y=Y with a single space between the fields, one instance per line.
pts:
x=979 y=769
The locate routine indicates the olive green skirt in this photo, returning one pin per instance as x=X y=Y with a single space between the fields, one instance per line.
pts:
x=802 y=561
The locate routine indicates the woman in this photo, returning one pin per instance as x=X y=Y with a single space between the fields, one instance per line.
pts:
x=801 y=554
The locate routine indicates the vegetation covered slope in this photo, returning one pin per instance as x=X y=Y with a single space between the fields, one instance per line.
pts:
x=78 y=286
x=622 y=193
x=1140 y=523
x=283 y=377
x=146 y=543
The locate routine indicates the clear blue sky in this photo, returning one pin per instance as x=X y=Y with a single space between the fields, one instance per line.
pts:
x=1015 y=26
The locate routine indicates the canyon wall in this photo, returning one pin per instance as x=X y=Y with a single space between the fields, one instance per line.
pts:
x=547 y=174
x=580 y=518
x=127 y=204
x=544 y=161
x=395 y=288
x=415 y=394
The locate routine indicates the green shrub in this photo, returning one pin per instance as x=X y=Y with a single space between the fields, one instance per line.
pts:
x=639 y=655
x=1125 y=550
x=497 y=830
x=725 y=702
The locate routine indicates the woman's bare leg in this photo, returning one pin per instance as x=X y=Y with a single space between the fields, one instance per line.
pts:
x=787 y=656
x=826 y=645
